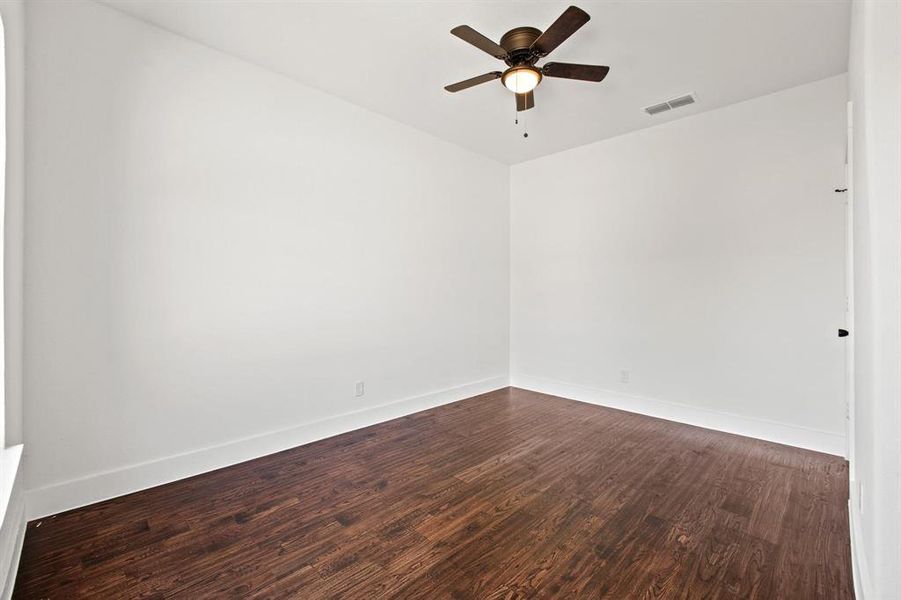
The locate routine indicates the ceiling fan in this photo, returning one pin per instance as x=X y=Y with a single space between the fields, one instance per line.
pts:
x=521 y=48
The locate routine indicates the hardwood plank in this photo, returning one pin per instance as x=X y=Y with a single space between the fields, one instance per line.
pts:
x=511 y=494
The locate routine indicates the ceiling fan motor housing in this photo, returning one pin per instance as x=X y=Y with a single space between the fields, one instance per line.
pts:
x=518 y=42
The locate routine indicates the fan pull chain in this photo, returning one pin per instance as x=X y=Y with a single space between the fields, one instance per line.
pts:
x=525 y=126
x=525 y=133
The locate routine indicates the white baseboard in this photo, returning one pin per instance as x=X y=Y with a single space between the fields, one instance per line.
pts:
x=772 y=431
x=67 y=495
x=861 y=572
x=13 y=569
x=12 y=518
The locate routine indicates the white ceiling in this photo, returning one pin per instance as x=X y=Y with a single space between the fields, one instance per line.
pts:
x=395 y=57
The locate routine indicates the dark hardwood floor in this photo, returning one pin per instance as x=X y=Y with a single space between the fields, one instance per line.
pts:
x=511 y=494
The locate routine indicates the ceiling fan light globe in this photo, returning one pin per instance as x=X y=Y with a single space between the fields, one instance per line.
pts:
x=521 y=80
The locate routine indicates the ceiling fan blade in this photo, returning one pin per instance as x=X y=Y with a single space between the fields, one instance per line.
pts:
x=468 y=34
x=565 y=25
x=468 y=83
x=572 y=71
x=525 y=101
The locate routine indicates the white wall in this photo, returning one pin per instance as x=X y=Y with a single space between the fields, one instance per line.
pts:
x=705 y=256
x=216 y=252
x=875 y=84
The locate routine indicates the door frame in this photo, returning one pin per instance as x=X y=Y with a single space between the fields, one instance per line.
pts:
x=849 y=293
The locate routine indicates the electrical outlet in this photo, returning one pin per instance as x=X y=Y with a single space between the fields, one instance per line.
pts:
x=625 y=376
x=360 y=389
